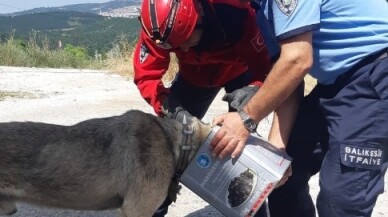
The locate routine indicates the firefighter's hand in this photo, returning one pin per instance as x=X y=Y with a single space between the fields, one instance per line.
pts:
x=170 y=106
x=166 y=109
x=238 y=98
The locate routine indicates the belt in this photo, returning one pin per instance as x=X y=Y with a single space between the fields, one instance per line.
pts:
x=383 y=55
x=341 y=80
x=370 y=59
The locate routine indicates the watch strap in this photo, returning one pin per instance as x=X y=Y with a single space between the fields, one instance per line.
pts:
x=248 y=121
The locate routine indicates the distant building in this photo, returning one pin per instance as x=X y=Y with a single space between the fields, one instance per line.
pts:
x=127 y=12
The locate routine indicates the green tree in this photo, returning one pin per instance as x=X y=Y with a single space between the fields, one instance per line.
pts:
x=78 y=52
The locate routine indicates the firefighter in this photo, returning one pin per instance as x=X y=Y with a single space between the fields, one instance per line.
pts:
x=217 y=45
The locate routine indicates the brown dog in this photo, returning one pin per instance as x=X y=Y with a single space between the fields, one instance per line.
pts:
x=124 y=162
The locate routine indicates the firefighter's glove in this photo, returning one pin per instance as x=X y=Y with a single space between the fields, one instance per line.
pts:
x=238 y=98
x=166 y=110
x=170 y=106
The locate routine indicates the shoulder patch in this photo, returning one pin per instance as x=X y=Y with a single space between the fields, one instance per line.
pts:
x=143 y=54
x=258 y=42
x=287 y=6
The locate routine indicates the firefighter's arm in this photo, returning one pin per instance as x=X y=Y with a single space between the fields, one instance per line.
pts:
x=150 y=64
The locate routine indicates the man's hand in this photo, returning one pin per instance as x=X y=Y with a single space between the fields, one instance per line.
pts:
x=231 y=137
x=171 y=105
x=238 y=98
x=167 y=109
x=172 y=108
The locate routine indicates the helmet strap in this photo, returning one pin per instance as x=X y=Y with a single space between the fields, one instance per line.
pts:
x=156 y=35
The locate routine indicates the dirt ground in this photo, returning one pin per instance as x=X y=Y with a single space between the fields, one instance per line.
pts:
x=70 y=96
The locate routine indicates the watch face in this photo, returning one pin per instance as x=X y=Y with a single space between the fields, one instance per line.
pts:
x=250 y=124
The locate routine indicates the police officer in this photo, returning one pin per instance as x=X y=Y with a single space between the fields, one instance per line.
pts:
x=343 y=44
x=217 y=45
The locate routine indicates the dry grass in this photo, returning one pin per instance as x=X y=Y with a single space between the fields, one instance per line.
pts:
x=124 y=67
x=172 y=70
x=310 y=83
x=12 y=94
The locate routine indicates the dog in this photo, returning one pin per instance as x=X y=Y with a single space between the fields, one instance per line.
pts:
x=125 y=162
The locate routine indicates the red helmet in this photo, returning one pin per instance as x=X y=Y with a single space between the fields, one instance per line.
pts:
x=169 y=22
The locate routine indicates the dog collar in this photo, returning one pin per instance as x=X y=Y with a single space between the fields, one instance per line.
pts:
x=185 y=148
x=183 y=159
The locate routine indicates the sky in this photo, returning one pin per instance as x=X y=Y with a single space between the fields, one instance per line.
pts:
x=10 y=6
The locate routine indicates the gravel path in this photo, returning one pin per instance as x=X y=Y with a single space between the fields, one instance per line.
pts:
x=70 y=96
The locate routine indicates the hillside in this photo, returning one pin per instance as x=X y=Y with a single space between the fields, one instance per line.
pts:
x=88 y=30
x=87 y=8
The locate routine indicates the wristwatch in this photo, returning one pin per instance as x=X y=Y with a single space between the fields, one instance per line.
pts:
x=248 y=122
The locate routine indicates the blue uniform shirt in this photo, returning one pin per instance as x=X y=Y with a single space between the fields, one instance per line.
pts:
x=344 y=31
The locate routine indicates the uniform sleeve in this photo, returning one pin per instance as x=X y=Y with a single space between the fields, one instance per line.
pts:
x=293 y=17
x=252 y=48
x=150 y=64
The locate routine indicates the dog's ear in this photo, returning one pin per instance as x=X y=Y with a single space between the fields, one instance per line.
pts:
x=201 y=130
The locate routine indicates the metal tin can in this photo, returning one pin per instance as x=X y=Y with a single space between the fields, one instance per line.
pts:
x=236 y=187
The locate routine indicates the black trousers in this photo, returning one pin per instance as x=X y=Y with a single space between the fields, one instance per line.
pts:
x=341 y=130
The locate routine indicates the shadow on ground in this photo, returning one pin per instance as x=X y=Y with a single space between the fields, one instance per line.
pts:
x=207 y=211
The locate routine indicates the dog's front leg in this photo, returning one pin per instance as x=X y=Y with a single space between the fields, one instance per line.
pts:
x=7 y=206
x=140 y=209
x=143 y=203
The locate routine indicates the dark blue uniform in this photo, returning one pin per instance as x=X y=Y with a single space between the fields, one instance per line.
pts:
x=352 y=157
x=342 y=125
